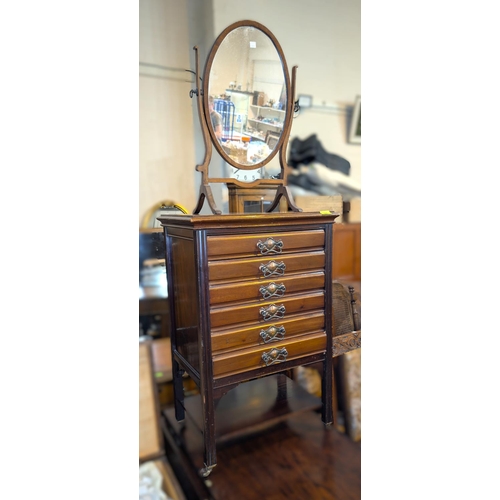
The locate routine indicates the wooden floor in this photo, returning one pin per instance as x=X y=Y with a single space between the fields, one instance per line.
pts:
x=298 y=458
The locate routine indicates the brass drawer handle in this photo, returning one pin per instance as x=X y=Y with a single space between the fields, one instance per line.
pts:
x=275 y=356
x=273 y=334
x=272 y=290
x=273 y=268
x=270 y=246
x=272 y=312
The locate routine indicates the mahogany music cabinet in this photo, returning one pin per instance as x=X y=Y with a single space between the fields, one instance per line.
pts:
x=250 y=296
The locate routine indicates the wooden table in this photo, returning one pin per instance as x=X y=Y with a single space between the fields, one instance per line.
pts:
x=294 y=456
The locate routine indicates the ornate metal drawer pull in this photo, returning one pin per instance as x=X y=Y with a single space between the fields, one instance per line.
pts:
x=270 y=246
x=273 y=334
x=272 y=290
x=272 y=312
x=273 y=268
x=275 y=356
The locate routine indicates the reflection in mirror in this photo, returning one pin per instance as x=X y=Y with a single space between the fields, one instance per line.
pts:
x=247 y=96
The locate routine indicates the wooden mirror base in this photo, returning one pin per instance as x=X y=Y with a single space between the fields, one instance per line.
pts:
x=206 y=192
x=284 y=191
x=283 y=198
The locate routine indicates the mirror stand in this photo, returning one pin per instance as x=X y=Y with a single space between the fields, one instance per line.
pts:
x=256 y=318
x=283 y=193
x=205 y=189
x=283 y=189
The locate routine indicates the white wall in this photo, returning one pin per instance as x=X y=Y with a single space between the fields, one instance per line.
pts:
x=166 y=152
x=321 y=37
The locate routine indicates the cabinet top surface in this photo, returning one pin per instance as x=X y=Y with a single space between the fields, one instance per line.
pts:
x=248 y=220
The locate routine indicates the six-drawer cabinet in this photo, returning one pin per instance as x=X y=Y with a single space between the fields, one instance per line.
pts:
x=250 y=296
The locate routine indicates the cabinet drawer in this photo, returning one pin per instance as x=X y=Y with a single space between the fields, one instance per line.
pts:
x=269 y=289
x=266 y=334
x=266 y=312
x=263 y=267
x=268 y=244
x=252 y=358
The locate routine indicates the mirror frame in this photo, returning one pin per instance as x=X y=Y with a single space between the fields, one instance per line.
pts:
x=206 y=80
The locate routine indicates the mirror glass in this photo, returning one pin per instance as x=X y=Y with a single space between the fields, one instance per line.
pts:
x=247 y=97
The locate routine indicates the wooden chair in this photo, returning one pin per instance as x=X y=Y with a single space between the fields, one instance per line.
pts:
x=347 y=361
x=347 y=315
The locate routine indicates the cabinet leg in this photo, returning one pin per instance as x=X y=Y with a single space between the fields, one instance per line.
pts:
x=210 y=455
x=282 y=389
x=177 y=373
x=327 y=392
x=209 y=438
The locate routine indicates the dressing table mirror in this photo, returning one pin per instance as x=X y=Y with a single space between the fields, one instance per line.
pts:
x=245 y=108
x=250 y=293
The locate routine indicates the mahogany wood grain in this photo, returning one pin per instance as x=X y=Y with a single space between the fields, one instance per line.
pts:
x=249 y=312
x=251 y=290
x=201 y=309
x=244 y=359
x=240 y=269
x=301 y=221
x=243 y=337
x=221 y=384
x=222 y=246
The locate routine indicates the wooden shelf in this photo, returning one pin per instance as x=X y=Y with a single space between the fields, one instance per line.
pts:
x=250 y=407
x=299 y=457
x=266 y=123
x=267 y=108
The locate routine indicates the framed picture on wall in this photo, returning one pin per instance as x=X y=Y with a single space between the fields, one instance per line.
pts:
x=165 y=207
x=355 y=126
x=305 y=101
x=272 y=139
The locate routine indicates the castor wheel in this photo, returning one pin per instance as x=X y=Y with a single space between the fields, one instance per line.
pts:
x=205 y=471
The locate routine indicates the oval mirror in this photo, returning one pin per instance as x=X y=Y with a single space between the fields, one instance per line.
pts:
x=245 y=95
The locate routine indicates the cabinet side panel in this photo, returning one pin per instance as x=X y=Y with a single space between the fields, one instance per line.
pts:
x=186 y=301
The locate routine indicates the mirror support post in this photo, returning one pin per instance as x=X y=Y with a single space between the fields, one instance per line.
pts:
x=205 y=189
x=283 y=189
